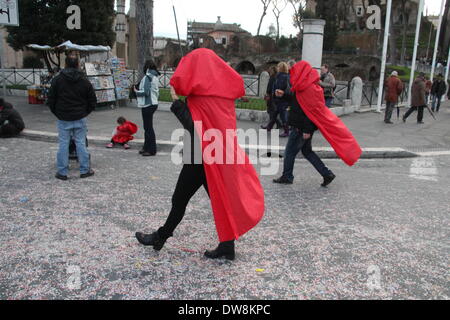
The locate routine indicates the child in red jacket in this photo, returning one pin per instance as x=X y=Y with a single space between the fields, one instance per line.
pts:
x=123 y=133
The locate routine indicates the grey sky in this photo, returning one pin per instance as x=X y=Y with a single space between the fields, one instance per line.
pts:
x=244 y=12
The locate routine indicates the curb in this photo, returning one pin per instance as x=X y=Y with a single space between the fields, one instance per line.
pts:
x=259 y=150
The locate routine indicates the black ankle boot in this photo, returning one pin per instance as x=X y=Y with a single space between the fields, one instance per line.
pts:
x=153 y=239
x=225 y=249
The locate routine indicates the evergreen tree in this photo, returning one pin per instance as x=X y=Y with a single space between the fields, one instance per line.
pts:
x=44 y=22
x=326 y=10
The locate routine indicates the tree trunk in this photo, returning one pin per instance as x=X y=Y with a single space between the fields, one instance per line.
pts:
x=405 y=30
x=260 y=22
x=392 y=43
x=444 y=33
x=144 y=32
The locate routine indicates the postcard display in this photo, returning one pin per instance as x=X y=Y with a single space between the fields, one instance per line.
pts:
x=99 y=74
x=120 y=76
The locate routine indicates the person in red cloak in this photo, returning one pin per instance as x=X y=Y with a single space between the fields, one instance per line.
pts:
x=309 y=113
x=123 y=133
x=237 y=197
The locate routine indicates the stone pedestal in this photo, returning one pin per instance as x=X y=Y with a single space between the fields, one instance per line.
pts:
x=263 y=82
x=313 y=30
x=356 y=92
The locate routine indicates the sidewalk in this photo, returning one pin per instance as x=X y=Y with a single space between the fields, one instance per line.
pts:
x=377 y=138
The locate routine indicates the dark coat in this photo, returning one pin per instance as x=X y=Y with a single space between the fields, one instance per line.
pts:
x=71 y=96
x=281 y=83
x=296 y=116
x=181 y=111
x=8 y=113
x=269 y=94
x=439 y=88
x=418 y=93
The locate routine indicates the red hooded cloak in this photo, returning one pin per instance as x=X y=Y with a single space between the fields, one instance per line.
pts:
x=124 y=132
x=305 y=84
x=212 y=86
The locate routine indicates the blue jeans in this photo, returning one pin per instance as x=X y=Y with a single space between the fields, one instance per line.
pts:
x=295 y=144
x=78 y=131
x=329 y=101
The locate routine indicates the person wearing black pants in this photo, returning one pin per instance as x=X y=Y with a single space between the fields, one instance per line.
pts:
x=420 y=111
x=191 y=178
x=300 y=139
x=149 y=148
x=147 y=99
x=418 y=101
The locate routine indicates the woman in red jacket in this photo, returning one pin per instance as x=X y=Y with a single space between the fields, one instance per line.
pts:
x=123 y=133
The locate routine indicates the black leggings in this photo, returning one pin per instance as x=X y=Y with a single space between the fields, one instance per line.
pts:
x=191 y=178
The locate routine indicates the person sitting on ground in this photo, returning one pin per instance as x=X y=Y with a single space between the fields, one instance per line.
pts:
x=123 y=133
x=11 y=123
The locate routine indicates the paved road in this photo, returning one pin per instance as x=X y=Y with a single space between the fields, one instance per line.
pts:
x=380 y=231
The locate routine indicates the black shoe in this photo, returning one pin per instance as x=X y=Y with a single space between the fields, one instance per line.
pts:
x=420 y=122
x=388 y=122
x=87 y=175
x=141 y=152
x=328 y=179
x=61 y=177
x=282 y=180
x=404 y=120
x=148 y=154
x=154 y=240
x=225 y=249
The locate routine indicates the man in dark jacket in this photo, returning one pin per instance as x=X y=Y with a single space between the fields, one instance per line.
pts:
x=418 y=101
x=437 y=91
x=300 y=139
x=11 y=123
x=71 y=99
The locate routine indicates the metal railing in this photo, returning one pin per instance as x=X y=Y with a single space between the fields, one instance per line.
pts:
x=251 y=83
x=29 y=77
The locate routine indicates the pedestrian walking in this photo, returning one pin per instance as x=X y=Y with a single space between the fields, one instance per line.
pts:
x=11 y=122
x=438 y=89
x=271 y=108
x=237 y=197
x=418 y=102
x=328 y=83
x=147 y=99
x=71 y=99
x=308 y=113
x=279 y=105
x=394 y=88
x=123 y=133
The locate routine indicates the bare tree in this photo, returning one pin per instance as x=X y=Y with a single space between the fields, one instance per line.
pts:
x=266 y=4
x=144 y=31
x=278 y=8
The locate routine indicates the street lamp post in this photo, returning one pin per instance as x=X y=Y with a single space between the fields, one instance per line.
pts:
x=416 y=44
x=383 y=60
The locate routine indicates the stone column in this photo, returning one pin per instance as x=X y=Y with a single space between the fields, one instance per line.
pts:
x=313 y=30
x=356 y=92
x=263 y=82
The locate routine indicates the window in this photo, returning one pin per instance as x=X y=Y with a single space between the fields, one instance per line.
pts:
x=224 y=41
